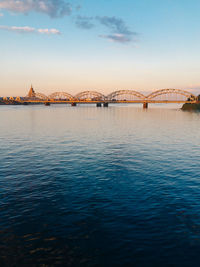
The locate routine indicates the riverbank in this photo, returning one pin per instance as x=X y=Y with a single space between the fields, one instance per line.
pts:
x=10 y=103
x=191 y=106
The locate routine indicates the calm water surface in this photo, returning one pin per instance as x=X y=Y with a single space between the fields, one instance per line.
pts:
x=87 y=186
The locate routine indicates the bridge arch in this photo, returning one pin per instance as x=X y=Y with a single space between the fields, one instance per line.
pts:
x=125 y=95
x=41 y=96
x=167 y=92
x=90 y=95
x=61 y=95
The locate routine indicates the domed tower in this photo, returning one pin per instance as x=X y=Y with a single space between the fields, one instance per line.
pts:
x=31 y=92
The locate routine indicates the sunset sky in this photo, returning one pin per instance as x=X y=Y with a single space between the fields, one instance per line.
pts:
x=78 y=45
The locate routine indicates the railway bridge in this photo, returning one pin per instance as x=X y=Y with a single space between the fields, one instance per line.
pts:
x=120 y=96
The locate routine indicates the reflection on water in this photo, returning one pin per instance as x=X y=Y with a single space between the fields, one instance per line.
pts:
x=89 y=186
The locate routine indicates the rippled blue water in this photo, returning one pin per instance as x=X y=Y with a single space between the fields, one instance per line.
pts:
x=87 y=186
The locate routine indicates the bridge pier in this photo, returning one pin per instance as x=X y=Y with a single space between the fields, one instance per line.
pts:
x=47 y=104
x=98 y=105
x=105 y=105
x=73 y=104
x=145 y=105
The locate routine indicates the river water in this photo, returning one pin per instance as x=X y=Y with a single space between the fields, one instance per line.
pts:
x=87 y=186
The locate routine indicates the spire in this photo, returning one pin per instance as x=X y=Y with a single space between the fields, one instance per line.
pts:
x=31 y=92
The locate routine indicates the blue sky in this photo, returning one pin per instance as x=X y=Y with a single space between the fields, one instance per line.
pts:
x=78 y=45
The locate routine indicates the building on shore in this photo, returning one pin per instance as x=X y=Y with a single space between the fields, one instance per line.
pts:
x=31 y=93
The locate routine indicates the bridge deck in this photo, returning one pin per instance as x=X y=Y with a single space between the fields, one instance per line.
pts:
x=114 y=102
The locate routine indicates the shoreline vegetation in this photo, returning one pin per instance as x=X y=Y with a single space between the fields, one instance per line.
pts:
x=192 y=106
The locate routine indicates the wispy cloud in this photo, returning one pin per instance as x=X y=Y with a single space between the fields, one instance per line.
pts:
x=84 y=22
x=53 y=8
x=116 y=37
x=119 y=32
x=1 y=14
x=49 y=31
x=114 y=24
x=27 y=29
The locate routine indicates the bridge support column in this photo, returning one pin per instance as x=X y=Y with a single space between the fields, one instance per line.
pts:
x=47 y=104
x=98 y=105
x=73 y=104
x=145 y=105
x=105 y=105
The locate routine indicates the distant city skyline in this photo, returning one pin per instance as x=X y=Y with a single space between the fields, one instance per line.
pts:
x=104 y=46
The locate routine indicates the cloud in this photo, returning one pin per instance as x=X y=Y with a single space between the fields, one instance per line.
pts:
x=53 y=8
x=1 y=14
x=25 y=29
x=117 y=37
x=49 y=31
x=115 y=24
x=84 y=22
x=119 y=31
x=28 y=29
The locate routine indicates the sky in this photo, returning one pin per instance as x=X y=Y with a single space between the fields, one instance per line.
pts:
x=105 y=45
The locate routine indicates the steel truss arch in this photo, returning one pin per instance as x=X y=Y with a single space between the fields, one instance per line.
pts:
x=60 y=95
x=41 y=96
x=91 y=95
x=171 y=91
x=113 y=95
